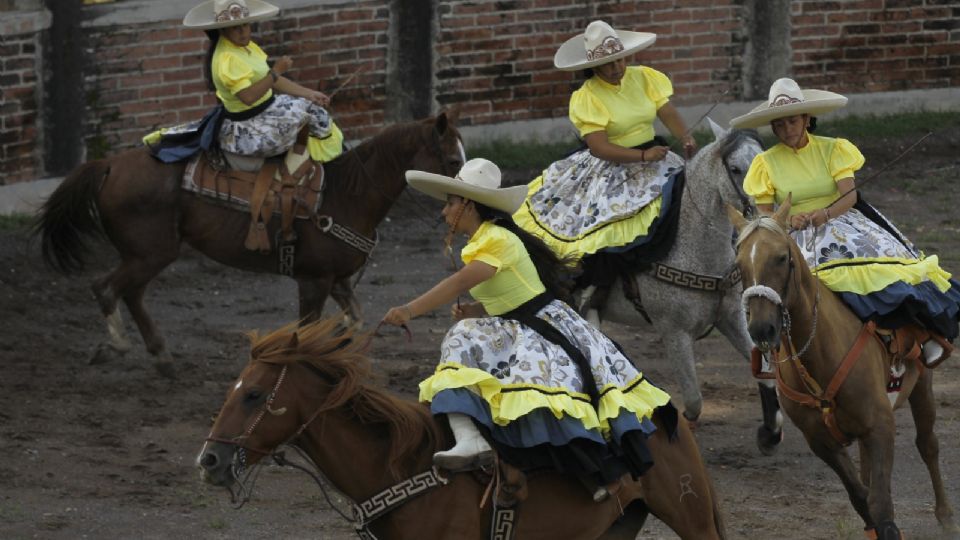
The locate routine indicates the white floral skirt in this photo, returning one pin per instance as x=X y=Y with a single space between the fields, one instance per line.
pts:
x=274 y=131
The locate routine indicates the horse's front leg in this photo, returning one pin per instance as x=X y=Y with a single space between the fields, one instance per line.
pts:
x=837 y=458
x=679 y=348
x=313 y=294
x=877 y=451
x=342 y=293
x=733 y=325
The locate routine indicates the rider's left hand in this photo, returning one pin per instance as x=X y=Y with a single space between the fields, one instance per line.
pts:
x=319 y=98
x=398 y=316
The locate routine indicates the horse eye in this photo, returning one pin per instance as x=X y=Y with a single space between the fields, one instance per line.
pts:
x=253 y=396
x=736 y=170
x=782 y=259
x=454 y=163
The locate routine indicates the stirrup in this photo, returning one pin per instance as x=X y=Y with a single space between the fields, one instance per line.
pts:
x=471 y=462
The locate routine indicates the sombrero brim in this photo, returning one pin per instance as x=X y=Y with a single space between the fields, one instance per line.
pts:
x=572 y=56
x=201 y=16
x=814 y=102
x=439 y=186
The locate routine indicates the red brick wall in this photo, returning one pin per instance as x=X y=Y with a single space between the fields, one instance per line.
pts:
x=876 y=45
x=493 y=58
x=19 y=87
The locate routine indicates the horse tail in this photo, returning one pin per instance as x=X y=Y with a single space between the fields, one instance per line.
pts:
x=70 y=214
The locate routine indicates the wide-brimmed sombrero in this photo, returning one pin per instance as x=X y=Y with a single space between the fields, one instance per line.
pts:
x=478 y=180
x=787 y=99
x=599 y=44
x=214 y=14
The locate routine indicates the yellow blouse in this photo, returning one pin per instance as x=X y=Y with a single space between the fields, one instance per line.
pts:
x=235 y=68
x=810 y=173
x=625 y=111
x=516 y=280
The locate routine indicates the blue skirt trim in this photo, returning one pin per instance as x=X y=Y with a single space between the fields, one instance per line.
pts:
x=901 y=304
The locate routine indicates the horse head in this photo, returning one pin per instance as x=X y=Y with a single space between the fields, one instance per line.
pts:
x=726 y=161
x=770 y=264
x=443 y=151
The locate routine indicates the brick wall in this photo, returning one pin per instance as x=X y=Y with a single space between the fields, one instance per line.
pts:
x=876 y=45
x=492 y=58
x=20 y=147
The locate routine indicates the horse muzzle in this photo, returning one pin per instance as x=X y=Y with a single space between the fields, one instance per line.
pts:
x=217 y=463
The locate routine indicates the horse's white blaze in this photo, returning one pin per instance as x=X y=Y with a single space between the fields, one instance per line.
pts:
x=238 y=385
x=753 y=255
x=203 y=450
x=463 y=152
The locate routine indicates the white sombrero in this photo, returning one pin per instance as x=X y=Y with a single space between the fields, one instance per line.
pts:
x=214 y=14
x=599 y=44
x=478 y=180
x=787 y=99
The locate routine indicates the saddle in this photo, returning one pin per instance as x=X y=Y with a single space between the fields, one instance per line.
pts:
x=290 y=185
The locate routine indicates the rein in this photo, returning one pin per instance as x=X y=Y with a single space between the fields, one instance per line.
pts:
x=364 y=512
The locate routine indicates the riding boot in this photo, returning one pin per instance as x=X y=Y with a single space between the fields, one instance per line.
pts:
x=471 y=451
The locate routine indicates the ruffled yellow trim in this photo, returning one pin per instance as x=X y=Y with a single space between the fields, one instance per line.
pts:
x=614 y=234
x=154 y=137
x=864 y=279
x=328 y=148
x=509 y=402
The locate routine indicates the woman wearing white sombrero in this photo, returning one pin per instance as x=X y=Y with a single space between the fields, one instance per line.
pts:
x=854 y=249
x=263 y=110
x=519 y=361
x=606 y=197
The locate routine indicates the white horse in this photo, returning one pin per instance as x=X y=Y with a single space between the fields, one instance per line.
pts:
x=690 y=290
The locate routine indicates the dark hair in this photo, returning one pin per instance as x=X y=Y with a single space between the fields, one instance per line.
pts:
x=555 y=273
x=813 y=124
x=214 y=36
x=587 y=73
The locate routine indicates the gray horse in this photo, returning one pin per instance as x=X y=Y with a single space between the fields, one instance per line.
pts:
x=690 y=290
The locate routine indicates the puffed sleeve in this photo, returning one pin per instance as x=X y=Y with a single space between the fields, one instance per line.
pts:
x=845 y=160
x=757 y=183
x=587 y=112
x=657 y=86
x=493 y=247
x=233 y=73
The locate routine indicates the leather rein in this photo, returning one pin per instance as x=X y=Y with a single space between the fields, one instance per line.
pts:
x=364 y=512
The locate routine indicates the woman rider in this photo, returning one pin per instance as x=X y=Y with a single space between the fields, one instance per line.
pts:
x=549 y=388
x=851 y=247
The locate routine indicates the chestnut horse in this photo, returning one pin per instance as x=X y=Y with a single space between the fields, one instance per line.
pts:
x=308 y=387
x=783 y=300
x=136 y=202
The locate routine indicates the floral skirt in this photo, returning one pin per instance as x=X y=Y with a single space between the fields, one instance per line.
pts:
x=582 y=204
x=529 y=392
x=275 y=130
x=862 y=257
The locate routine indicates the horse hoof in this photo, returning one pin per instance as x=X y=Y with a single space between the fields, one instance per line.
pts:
x=105 y=352
x=768 y=441
x=165 y=369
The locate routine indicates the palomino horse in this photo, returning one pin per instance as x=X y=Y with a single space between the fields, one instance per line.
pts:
x=136 y=201
x=688 y=291
x=784 y=301
x=308 y=387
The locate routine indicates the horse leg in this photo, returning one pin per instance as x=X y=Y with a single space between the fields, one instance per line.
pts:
x=924 y=409
x=108 y=300
x=342 y=294
x=878 y=453
x=679 y=347
x=837 y=458
x=677 y=489
x=629 y=524
x=313 y=294
x=770 y=434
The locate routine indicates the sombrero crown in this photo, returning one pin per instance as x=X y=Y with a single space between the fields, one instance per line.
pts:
x=599 y=44
x=478 y=180
x=787 y=99
x=214 y=14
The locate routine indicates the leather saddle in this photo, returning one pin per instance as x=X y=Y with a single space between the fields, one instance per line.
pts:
x=290 y=185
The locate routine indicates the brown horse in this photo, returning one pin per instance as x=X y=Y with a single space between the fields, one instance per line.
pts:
x=783 y=301
x=136 y=202
x=308 y=387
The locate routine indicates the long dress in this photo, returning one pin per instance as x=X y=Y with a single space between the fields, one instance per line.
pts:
x=581 y=204
x=860 y=255
x=510 y=371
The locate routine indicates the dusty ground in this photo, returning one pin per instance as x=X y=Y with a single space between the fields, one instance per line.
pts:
x=107 y=451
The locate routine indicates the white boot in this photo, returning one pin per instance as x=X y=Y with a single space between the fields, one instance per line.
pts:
x=471 y=451
x=932 y=351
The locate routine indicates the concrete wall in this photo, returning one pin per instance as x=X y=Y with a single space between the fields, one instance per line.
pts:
x=491 y=58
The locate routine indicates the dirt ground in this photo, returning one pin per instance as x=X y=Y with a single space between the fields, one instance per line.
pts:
x=107 y=450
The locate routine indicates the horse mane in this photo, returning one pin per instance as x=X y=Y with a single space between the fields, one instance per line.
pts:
x=348 y=167
x=762 y=222
x=337 y=355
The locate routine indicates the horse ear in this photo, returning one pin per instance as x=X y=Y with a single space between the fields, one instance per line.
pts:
x=294 y=342
x=441 y=123
x=735 y=217
x=718 y=132
x=453 y=115
x=782 y=215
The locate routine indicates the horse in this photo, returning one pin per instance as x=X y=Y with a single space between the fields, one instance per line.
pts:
x=783 y=302
x=692 y=288
x=309 y=388
x=137 y=203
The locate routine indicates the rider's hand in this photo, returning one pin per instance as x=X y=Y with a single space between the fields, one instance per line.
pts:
x=689 y=146
x=282 y=65
x=799 y=221
x=655 y=153
x=467 y=311
x=319 y=98
x=398 y=316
